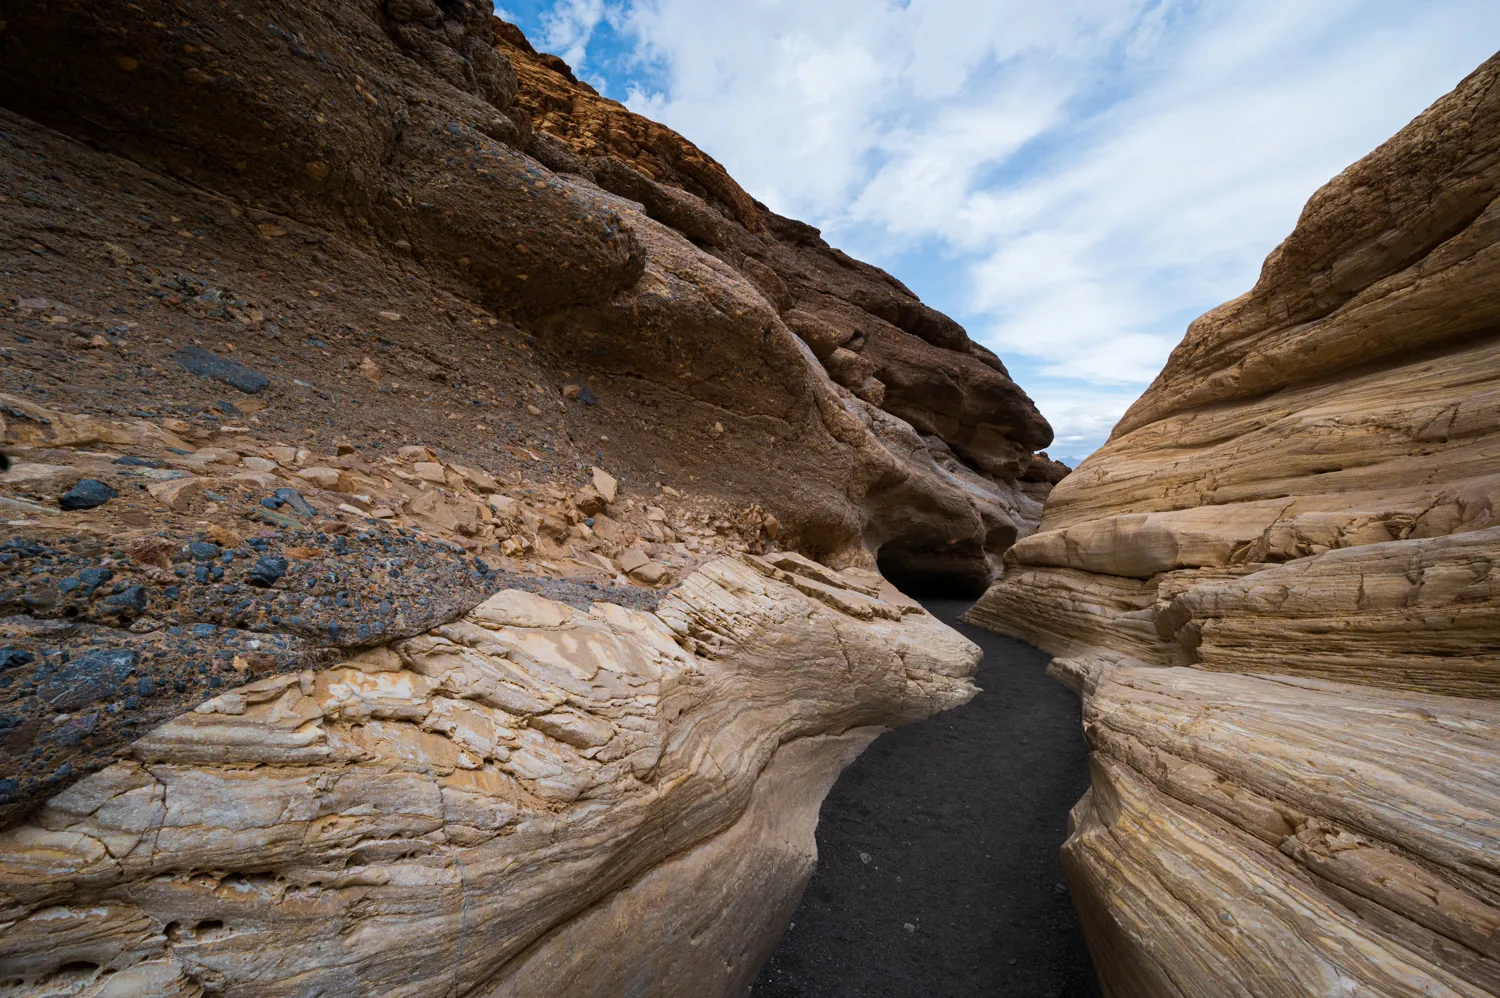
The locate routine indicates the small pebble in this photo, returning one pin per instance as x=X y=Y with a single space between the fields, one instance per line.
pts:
x=267 y=571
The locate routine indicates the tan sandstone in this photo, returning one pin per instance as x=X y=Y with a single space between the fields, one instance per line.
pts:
x=486 y=808
x=1275 y=589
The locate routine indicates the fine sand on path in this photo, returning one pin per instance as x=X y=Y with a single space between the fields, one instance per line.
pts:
x=938 y=873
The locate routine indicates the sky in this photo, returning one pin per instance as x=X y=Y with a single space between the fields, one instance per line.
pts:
x=1074 y=180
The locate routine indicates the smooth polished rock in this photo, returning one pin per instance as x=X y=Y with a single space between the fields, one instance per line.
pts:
x=1276 y=590
x=490 y=805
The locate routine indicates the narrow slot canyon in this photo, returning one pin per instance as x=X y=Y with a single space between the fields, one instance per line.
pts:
x=457 y=541
x=938 y=870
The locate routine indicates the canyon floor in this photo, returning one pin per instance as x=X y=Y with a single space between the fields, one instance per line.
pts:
x=938 y=870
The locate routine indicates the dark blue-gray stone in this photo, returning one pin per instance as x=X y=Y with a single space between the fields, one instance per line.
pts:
x=133 y=598
x=267 y=571
x=14 y=658
x=196 y=360
x=87 y=494
x=293 y=498
x=74 y=730
x=93 y=578
x=89 y=677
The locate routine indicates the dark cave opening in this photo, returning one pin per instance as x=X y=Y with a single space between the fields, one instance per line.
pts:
x=956 y=571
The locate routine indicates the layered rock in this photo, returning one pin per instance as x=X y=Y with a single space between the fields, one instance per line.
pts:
x=530 y=798
x=1275 y=589
x=881 y=346
x=316 y=338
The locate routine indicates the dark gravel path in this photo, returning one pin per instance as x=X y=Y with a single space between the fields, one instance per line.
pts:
x=938 y=873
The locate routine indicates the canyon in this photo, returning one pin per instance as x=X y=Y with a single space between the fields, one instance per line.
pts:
x=456 y=536
x=451 y=527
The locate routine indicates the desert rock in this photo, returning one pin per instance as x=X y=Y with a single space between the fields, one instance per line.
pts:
x=1275 y=590
x=461 y=781
x=461 y=696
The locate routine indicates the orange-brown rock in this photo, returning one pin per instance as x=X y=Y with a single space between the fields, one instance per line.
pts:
x=1276 y=590
x=871 y=334
x=340 y=343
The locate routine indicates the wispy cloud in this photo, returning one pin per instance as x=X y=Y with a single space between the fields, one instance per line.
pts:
x=568 y=27
x=1073 y=180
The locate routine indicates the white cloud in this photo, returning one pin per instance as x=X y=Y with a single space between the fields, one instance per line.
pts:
x=1081 y=414
x=569 y=26
x=1093 y=172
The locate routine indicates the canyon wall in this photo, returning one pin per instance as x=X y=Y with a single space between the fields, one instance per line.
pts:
x=534 y=798
x=402 y=577
x=425 y=163
x=1275 y=589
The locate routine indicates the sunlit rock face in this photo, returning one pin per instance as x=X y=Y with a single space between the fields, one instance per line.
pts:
x=530 y=799
x=1275 y=589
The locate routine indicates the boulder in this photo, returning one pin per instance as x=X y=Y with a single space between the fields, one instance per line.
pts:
x=328 y=479
x=177 y=496
x=39 y=479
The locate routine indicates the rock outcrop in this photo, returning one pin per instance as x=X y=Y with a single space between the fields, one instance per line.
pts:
x=530 y=799
x=884 y=350
x=1276 y=590
x=400 y=151
x=397 y=587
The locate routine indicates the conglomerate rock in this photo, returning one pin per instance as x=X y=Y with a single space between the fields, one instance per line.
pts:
x=1276 y=590
x=530 y=799
x=395 y=151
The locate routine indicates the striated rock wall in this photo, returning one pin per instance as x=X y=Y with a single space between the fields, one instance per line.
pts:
x=532 y=798
x=390 y=594
x=1275 y=589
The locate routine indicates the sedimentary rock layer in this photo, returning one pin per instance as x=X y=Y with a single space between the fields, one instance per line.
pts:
x=1276 y=589
x=403 y=155
x=500 y=806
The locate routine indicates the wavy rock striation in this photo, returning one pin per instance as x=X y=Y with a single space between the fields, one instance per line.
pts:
x=530 y=798
x=404 y=436
x=1276 y=590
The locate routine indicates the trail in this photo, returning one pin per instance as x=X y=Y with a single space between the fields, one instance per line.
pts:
x=950 y=827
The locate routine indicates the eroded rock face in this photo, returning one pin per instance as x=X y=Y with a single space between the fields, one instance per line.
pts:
x=486 y=808
x=348 y=341
x=1275 y=589
x=421 y=139
x=882 y=348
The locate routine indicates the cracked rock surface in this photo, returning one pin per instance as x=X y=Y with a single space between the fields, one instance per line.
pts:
x=1275 y=589
x=478 y=808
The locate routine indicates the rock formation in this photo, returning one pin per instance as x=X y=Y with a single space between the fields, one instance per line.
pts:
x=397 y=587
x=1275 y=589
x=469 y=810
